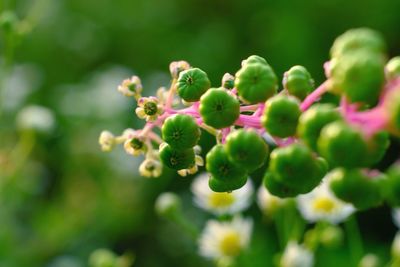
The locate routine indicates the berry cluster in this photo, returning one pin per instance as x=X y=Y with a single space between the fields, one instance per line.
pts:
x=257 y=124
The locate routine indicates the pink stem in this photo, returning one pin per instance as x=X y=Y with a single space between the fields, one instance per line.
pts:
x=314 y=96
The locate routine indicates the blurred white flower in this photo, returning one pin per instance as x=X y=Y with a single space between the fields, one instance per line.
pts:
x=106 y=141
x=267 y=202
x=296 y=255
x=225 y=240
x=396 y=217
x=322 y=205
x=36 y=118
x=131 y=87
x=167 y=203
x=150 y=167
x=221 y=203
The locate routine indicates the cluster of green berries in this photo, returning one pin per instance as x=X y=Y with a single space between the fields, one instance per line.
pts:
x=297 y=140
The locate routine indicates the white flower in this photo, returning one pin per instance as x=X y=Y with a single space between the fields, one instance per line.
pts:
x=149 y=108
x=225 y=240
x=396 y=217
x=134 y=143
x=267 y=202
x=150 y=167
x=36 y=118
x=131 y=87
x=322 y=205
x=296 y=255
x=106 y=141
x=221 y=203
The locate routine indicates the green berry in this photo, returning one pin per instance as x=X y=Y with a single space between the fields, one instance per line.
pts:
x=278 y=188
x=246 y=149
x=296 y=167
x=221 y=167
x=219 y=108
x=392 y=107
x=298 y=82
x=281 y=115
x=177 y=159
x=180 y=131
x=192 y=84
x=356 y=187
x=358 y=39
x=256 y=82
x=342 y=145
x=392 y=185
x=359 y=76
x=377 y=146
x=393 y=68
x=254 y=59
x=217 y=185
x=313 y=120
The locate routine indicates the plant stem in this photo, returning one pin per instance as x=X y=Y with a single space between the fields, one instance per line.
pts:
x=354 y=239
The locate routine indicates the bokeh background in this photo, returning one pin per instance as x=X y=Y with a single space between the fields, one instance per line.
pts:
x=60 y=196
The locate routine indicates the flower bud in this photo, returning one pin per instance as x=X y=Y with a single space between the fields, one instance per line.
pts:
x=131 y=87
x=370 y=260
x=106 y=141
x=176 y=67
x=332 y=236
x=228 y=81
x=150 y=167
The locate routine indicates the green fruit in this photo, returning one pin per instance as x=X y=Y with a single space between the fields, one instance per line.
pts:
x=256 y=82
x=298 y=82
x=358 y=39
x=246 y=149
x=277 y=188
x=254 y=59
x=313 y=120
x=281 y=115
x=217 y=185
x=220 y=167
x=296 y=167
x=192 y=84
x=357 y=188
x=343 y=146
x=219 y=108
x=393 y=68
x=393 y=109
x=392 y=185
x=177 y=159
x=359 y=76
x=377 y=146
x=180 y=131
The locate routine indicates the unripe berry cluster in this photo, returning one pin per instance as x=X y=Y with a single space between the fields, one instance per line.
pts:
x=255 y=124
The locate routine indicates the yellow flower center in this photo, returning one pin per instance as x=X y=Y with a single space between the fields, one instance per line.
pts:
x=230 y=244
x=220 y=200
x=324 y=204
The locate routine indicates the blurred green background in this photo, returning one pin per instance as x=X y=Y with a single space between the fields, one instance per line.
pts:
x=60 y=196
